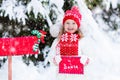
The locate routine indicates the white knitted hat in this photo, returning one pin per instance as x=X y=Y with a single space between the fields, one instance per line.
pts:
x=55 y=29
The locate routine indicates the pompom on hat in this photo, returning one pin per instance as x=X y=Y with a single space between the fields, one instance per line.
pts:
x=73 y=14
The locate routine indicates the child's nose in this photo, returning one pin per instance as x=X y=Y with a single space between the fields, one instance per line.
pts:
x=70 y=25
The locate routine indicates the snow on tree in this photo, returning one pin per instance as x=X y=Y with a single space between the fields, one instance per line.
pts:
x=108 y=18
x=107 y=4
x=14 y=10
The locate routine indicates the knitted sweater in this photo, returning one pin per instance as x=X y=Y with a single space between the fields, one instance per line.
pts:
x=69 y=45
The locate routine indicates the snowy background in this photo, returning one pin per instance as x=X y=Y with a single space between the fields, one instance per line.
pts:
x=102 y=47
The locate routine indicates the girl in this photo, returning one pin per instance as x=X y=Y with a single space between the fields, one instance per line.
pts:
x=65 y=53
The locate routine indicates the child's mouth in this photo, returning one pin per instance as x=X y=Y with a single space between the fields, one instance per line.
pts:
x=70 y=29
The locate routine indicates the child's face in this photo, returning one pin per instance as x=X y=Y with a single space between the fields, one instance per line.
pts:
x=70 y=26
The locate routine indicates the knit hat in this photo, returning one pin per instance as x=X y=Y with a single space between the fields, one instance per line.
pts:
x=73 y=14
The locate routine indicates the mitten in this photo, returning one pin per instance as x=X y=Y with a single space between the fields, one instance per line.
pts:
x=84 y=60
x=55 y=29
x=57 y=59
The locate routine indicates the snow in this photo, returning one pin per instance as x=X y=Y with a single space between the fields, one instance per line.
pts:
x=104 y=60
x=59 y=4
x=20 y=71
x=108 y=29
x=20 y=13
x=107 y=3
x=36 y=6
x=14 y=10
x=8 y=7
x=103 y=52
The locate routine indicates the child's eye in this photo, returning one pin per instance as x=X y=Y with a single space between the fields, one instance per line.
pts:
x=73 y=23
x=67 y=23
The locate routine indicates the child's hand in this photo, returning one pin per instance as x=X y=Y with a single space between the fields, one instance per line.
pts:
x=84 y=60
x=87 y=62
x=57 y=59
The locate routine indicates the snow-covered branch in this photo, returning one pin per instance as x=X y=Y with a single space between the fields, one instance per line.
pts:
x=17 y=10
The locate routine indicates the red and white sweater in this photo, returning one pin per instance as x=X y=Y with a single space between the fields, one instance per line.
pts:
x=68 y=46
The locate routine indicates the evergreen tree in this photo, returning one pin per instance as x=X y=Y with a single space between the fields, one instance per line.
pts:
x=20 y=17
x=110 y=17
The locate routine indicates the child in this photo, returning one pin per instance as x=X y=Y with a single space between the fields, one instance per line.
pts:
x=65 y=53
